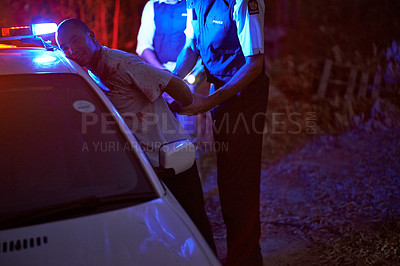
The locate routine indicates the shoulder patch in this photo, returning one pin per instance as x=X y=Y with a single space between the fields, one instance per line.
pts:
x=253 y=7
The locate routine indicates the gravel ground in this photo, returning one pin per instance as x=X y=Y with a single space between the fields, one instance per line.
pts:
x=329 y=200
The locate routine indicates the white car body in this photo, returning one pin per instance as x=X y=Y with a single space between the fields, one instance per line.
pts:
x=152 y=232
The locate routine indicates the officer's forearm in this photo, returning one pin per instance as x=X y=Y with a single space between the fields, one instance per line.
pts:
x=178 y=90
x=150 y=57
x=240 y=80
x=186 y=60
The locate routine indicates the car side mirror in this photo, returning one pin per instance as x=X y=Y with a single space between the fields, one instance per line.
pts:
x=178 y=156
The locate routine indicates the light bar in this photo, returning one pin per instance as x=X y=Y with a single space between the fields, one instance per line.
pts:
x=6 y=46
x=44 y=28
x=20 y=32
x=16 y=31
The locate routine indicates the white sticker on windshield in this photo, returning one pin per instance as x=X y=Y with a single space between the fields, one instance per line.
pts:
x=84 y=106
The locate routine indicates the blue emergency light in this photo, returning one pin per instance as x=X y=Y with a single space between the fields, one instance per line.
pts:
x=21 y=32
x=44 y=28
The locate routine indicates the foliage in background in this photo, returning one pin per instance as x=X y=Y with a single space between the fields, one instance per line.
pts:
x=361 y=28
x=358 y=33
x=392 y=73
x=347 y=31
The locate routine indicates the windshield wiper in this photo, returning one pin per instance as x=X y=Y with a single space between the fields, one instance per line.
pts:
x=85 y=206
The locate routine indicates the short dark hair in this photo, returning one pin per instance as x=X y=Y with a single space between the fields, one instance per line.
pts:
x=73 y=22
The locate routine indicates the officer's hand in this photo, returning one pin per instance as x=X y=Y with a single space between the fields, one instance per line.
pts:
x=200 y=104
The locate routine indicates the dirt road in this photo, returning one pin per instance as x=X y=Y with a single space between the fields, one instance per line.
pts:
x=330 y=200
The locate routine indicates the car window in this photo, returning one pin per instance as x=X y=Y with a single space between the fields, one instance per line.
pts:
x=59 y=143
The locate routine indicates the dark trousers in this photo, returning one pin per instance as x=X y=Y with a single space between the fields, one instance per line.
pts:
x=238 y=133
x=187 y=189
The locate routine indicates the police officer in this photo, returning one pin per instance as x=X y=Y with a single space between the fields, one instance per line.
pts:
x=228 y=36
x=161 y=34
x=160 y=39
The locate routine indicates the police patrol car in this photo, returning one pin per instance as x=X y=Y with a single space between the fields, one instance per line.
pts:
x=75 y=186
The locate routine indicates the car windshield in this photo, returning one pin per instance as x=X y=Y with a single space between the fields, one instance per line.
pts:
x=60 y=144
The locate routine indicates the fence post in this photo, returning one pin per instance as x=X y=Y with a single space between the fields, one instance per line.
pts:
x=351 y=82
x=323 y=84
x=363 y=84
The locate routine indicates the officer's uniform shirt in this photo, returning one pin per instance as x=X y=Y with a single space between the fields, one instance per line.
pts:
x=225 y=32
x=147 y=31
x=249 y=18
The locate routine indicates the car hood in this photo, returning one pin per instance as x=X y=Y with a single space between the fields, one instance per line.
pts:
x=154 y=233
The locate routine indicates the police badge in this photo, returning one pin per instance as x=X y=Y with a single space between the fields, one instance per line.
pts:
x=253 y=7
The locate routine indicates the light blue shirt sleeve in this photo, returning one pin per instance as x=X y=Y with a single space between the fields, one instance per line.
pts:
x=189 y=27
x=147 y=29
x=249 y=17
